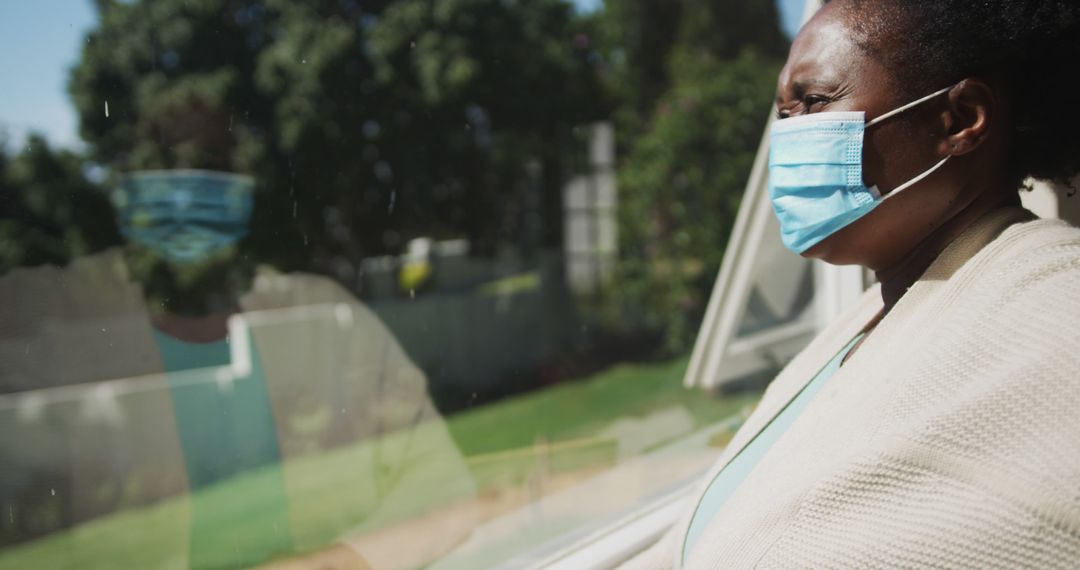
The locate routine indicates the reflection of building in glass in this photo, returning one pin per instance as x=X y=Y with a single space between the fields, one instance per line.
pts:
x=590 y=226
x=475 y=321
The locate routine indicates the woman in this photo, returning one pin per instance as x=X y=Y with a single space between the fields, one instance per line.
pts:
x=938 y=423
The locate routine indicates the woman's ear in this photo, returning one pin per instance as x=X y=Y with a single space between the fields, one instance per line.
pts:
x=968 y=118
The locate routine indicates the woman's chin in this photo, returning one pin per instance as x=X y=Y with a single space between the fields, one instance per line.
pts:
x=822 y=250
x=833 y=251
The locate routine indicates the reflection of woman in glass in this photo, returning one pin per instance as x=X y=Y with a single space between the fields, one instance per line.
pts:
x=322 y=432
x=935 y=425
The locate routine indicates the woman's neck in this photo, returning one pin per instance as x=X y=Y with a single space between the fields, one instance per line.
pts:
x=897 y=279
x=194 y=329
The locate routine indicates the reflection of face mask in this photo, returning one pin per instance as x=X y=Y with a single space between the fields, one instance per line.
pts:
x=185 y=216
x=815 y=174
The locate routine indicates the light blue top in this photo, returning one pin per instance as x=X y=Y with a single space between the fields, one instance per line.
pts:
x=733 y=474
x=227 y=432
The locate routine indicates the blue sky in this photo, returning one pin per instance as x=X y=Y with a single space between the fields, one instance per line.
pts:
x=40 y=41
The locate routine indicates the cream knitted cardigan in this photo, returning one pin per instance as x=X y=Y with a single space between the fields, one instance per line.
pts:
x=950 y=439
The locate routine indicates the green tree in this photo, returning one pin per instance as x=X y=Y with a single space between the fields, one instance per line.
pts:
x=637 y=37
x=684 y=165
x=502 y=82
x=640 y=38
x=49 y=211
x=365 y=123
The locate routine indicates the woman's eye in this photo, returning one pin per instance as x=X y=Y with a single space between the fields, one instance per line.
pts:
x=812 y=101
x=808 y=104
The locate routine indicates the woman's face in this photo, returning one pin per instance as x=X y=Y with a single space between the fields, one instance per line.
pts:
x=827 y=71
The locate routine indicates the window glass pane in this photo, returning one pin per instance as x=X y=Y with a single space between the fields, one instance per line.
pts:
x=782 y=286
x=390 y=284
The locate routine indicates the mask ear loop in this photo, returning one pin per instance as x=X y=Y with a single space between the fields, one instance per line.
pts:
x=915 y=103
x=875 y=191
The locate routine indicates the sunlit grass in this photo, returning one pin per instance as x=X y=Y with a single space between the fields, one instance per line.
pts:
x=326 y=499
x=583 y=409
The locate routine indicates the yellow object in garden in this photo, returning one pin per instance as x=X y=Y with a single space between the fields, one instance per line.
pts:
x=414 y=275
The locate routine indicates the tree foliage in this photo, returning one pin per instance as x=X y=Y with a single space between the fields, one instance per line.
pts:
x=365 y=123
x=641 y=38
x=711 y=66
x=369 y=123
x=49 y=211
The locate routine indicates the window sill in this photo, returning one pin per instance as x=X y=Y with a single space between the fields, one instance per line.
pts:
x=601 y=522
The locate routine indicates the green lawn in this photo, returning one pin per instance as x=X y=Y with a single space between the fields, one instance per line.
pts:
x=582 y=409
x=495 y=439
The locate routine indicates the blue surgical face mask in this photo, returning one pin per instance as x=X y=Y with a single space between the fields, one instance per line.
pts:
x=184 y=216
x=816 y=174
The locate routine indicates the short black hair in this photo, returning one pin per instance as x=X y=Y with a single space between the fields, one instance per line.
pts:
x=1032 y=45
